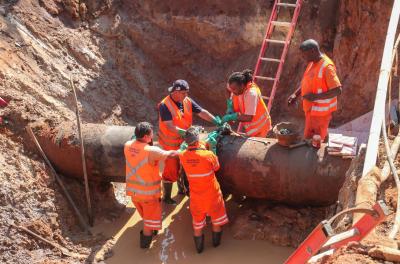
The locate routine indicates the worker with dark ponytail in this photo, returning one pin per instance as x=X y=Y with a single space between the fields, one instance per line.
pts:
x=246 y=105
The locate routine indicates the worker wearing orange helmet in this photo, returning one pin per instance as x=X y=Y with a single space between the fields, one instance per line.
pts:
x=246 y=105
x=175 y=116
x=143 y=180
x=319 y=89
x=206 y=198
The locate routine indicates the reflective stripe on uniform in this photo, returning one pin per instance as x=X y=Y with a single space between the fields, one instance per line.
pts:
x=323 y=108
x=254 y=130
x=154 y=183
x=324 y=101
x=259 y=120
x=201 y=175
x=133 y=170
x=170 y=107
x=152 y=221
x=199 y=224
x=223 y=221
x=322 y=68
x=220 y=218
x=151 y=192
x=153 y=226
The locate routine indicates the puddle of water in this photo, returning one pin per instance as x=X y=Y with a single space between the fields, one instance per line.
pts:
x=174 y=244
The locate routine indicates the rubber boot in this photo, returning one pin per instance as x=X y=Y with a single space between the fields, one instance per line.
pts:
x=145 y=241
x=167 y=193
x=216 y=238
x=199 y=243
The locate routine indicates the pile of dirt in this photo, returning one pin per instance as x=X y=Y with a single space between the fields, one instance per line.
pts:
x=122 y=56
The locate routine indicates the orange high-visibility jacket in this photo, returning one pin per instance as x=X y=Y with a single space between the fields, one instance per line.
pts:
x=143 y=180
x=261 y=121
x=168 y=139
x=200 y=166
x=314 y=82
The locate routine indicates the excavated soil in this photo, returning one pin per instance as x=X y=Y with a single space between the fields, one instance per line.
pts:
x=122 y=56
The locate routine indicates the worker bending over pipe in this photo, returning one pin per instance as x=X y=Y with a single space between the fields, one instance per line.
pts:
x=143 y=179
x=246 y=105
x=319 y=88
x=206 y=198
x=175 y=116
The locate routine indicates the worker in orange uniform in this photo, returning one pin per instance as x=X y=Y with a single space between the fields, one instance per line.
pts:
x=246 y=105
x=175 y=116
x=319 y=89
x=206 y=198
x=143 y=179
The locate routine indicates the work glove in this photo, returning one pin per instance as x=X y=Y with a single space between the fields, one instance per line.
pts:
x=183 y=147
x=230 y=117
x=212 y=141
x=133 y=137
x=229 y=106
x=181 y=131
x=217 y=121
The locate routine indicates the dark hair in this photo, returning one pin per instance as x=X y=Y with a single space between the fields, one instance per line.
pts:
x=142 y=129
x=241 y=77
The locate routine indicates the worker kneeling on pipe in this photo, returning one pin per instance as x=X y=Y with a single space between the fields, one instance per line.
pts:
x=319 y=88
x=206 y=198
x=246 y=105
x=143 y=180
x=175 y=116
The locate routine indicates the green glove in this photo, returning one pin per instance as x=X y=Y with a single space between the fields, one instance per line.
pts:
x=229 y=106
x=217 y=121
x=181 y=131
x=183 y=146
x=133 y=137
x=230 y=117
x=212 y=141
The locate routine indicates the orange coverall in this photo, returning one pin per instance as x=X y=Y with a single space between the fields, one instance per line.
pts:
x=318 y=75
x=205 y=193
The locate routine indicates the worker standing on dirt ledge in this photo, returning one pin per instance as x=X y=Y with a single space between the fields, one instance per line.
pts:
x=206 y=198
x=246 y=105
x=175 y=116
x=319 y=88
x=143 y=179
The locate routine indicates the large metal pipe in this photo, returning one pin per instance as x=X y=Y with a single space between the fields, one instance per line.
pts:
x=258 y=169
x=299 y=176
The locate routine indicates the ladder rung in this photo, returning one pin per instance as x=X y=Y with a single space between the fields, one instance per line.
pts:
x=342 y=236
x=287 y=5
x=265 y=97
x=275 y=41
x=265 y=78
x=281 y=24
x=270 y=59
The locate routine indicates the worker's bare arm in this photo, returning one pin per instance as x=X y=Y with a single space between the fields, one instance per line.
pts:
x=205 y=115
x=294 y=95
x=170 y=125
x=157 y=154
x=327 y=95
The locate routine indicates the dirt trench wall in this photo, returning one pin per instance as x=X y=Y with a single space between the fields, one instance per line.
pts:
x=124 y=54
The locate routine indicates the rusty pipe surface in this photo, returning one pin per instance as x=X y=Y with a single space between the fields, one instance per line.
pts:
x=104 y=147
x=299 y=176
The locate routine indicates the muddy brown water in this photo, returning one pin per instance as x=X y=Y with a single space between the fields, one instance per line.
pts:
x=174 y=244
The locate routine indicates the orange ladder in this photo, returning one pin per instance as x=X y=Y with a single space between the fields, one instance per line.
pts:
x=262 y=59
x=322 y=240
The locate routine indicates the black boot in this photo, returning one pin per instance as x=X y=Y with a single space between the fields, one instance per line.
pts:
x=155 y=232
x=199 y=243
x=145 y=241
x=167 y=193
x=216 y=238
